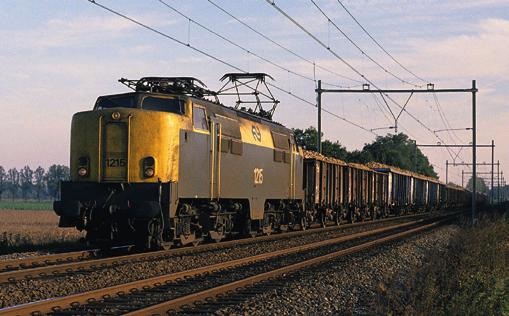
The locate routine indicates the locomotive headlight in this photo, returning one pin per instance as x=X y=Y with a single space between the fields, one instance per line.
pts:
x=82 y=171
x=115 y=115
x=149 y=167
x=83 y=166
x=149 y=172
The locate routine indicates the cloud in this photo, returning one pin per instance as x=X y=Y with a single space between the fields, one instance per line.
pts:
x=482 y=54
x=79 y=32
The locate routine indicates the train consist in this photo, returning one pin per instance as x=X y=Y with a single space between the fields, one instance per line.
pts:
x=165 y=165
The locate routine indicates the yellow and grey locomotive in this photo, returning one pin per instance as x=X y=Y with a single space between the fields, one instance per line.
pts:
x=163 y=163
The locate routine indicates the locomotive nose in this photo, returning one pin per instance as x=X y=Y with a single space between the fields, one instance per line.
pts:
x=115 y=148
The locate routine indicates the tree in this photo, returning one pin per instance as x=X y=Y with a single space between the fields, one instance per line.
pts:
x=13 y=182
x=308 y=139
x=3 y=181
x=399 y=151
x=39 y=182
x=359 y=156
x=26 y=176
x=56 y=174
x=480 y=185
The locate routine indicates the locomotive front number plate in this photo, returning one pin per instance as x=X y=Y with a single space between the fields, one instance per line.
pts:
x=116 y=162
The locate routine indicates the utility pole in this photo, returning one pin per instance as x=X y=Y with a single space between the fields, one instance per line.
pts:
x=500 y=190
x=462 y=175
x=446 y=171
x=498 y=181
x=319 y=105
x=474 y=150
x=492 y=168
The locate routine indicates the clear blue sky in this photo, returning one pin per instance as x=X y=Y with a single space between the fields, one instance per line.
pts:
x=58 y=56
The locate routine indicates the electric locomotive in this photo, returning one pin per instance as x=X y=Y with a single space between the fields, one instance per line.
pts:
x=165 y=164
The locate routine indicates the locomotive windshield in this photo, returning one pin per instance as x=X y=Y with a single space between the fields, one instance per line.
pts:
x=146 y=102
x=116 y=101
x=163 y=105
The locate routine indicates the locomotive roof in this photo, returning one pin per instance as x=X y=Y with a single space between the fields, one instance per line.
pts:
x=216 y=108
x=221 y=109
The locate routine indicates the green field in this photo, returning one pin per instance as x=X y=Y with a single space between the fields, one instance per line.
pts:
x=26 y=205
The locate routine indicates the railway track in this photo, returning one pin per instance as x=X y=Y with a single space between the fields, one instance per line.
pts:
x=181 y=291
x=79 y=261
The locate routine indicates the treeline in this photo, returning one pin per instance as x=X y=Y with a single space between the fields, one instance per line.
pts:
x=29 y=184
x=396 y=150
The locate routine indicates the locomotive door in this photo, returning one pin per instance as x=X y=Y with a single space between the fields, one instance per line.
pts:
x=115 y=151
x=215 y=158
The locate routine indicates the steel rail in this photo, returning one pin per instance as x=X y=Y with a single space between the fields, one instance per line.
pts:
x=29 y=262
x=52 y=264
x=184 y=302
x=59 y=303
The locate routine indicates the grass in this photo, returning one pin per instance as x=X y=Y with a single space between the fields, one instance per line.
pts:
x=25 y=205
x=470 y=278
x=31 y=230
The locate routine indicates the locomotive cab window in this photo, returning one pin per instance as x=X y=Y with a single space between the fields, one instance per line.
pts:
x=116 y=101
x=163 y=105
x=200 y=118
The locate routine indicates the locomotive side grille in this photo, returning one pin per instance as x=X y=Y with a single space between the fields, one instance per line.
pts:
x=115 y=158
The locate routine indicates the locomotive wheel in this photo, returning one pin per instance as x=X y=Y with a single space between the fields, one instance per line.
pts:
x=189 y=239
x=248 y=229
x=217 y=235
x=219 y=232
x=268 y=230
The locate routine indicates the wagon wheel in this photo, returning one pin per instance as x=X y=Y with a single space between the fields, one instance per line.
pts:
x=323 y=220
x=337 y=217
x=303 y=222
x=350 y=216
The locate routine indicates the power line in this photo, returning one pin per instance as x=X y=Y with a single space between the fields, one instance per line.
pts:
x=282 y=46
x=239 y=46
x=448 y=126
x=282 y=12
x=220 y=61
x=380 y=45
x=361 y=50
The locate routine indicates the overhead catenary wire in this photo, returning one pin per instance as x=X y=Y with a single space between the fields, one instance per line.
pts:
x=250 y=52
x=363 y=52
x=448 y=127
x=284 y=47
x=380 y=45
x=355 y=70
x=152 y=29
x=397 y=62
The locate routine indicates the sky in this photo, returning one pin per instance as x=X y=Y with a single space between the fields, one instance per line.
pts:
x=57 y=57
